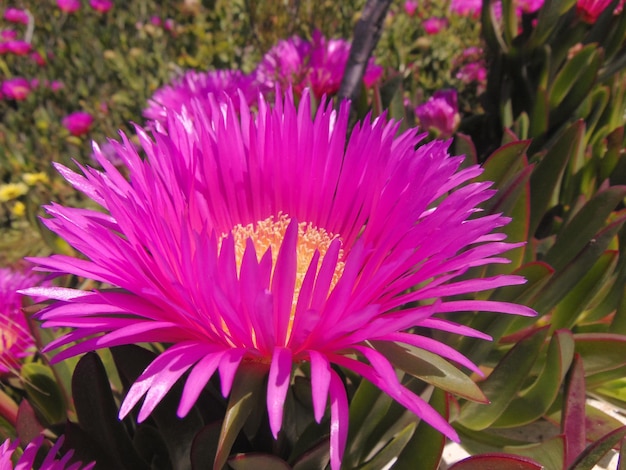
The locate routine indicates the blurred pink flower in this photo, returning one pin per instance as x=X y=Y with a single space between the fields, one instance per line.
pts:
x=101 y=5
x=28 y=458
x=440 y=114
x=319 y=64
x=434 y=25
x=17 y=88
x=410 y=7
x=56 y=85
x=38 y=58
x=155 y=20
x=466 y=7
x=17 y=47
x=68 y=6
x=16 y=341
x=78 y=123
x=529 y=6
x=194 y=85
x=271 y=239
x=8 y=34
x=169 y=24
x=15 y=15
x=472 y=72
x=590 y=10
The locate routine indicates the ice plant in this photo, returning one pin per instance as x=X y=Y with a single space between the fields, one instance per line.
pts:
x=15 y=15
x=68 y=6
x=28 y=458
x=434 y=25
x=17 y=88
x=410 y=7
x=266 y=239
x=16 y=341
x=440 y=114
x=78 y=123
x=101 y=6
x=317 y=64
x=590 y=10
x=197 y=85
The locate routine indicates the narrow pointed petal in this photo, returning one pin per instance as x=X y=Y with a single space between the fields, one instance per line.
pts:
x=277 y=387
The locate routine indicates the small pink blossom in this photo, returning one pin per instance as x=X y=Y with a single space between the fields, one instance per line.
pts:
x=7 y=34
x=440 y=114
x=16 y=88
x=410 y=7
x=17 y=47
x=101 y=5
x=590 y=10
x=155 y=20
x=78 y=123
x=434 y=25
x=169 y=24
x=15 y=15
x=466 y=7
x=68 y=6
x=56 y=85
x=38 y=58
x=529 y=6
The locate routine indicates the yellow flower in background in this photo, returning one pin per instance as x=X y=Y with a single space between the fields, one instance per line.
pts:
x=11 y=191
x=31 y=179
x=19 y=209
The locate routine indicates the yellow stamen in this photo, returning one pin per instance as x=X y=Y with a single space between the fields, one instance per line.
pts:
x=270 y=232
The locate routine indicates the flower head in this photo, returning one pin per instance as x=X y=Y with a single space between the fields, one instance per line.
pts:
x=78 y=123
x=410 y=7
x=17 y=47
x=317 y=64
x=101 y=6
x=15 y=15
x=16 y=341
x=194 y=85
x=466 y=7
x=434 y=25
x=267 y=239
x=27 y=459
x=68 y=6
x=440 y=113
x=17 y=88
x=590 y=10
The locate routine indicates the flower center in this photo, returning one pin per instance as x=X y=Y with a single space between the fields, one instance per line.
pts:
x=270 y=232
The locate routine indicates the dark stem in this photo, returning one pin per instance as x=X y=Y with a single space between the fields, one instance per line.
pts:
x=366 y=35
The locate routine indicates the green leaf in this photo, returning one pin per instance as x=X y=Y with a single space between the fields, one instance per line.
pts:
x=28 y=426
x=463 y=145
x=391 y=450
x=601 y=351
x=43 y=392
x=551 y=452
x=536 y=400
x=246 y=394
x=504 y=163
x=426 y=444
x=315 y=458
x=497 y=461
x=254 y=461
x=573 y=415
x=549 y=15
x=568 y=310
x=598 y=449
x=583 y=227
x=578 y=68
x=430 y=368
x=97 y=413
x=539 y=122
x=504 y=382
x=546 y=177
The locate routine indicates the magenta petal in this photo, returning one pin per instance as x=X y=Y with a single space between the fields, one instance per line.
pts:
x=320 y=383
x=228 y=368
x=277 y=387
x=339 y=416
x=197 y=380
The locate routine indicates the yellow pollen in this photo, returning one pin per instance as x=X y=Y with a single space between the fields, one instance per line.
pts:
x=270 y=232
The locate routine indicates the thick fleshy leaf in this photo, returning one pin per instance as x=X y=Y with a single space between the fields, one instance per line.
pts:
x=536 y=400
x=246 y=394
x=43 y=392
x=317 y=457
x=551 y=452
x=583 y=227
x=391 y=450
x=504 y=163
x=601 y=351
x=573 y=419
x=504 y=382
x=426 y=444
x=27 y=425
x=547 y=174
x=497 y=462
x=431 y=368
x=592 y=455
x=257 y=462
x=204 y=447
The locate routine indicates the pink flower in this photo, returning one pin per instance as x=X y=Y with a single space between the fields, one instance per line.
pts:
x=466 y=7
x=410 y=7
x=56 y=85
x=434 y=25
x=38 y=58
x=68 y=6
x=28 y=458
x=590 y=10
x=169 y=24
x=78 y=123
x=155 y=20
x=15 y=15
x=17 y=47
x=440 y=114
x=101 y=6
x=7 y=34
x=319 y=64
x=16 y=341
x=194 y=85
x=529 y=6
x=266 y=240
x=16 y=88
